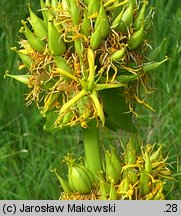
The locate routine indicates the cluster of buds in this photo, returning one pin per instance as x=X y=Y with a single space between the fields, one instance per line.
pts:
x=81 y=47
x=139 y=173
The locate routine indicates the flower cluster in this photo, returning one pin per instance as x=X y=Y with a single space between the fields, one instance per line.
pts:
x=80 y=48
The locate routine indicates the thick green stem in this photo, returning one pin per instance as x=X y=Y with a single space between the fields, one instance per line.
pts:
x=92 y=147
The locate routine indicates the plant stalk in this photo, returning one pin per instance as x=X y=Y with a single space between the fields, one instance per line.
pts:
x=92 y=147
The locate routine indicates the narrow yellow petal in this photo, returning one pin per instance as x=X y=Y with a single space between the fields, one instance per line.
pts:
x=98 y=106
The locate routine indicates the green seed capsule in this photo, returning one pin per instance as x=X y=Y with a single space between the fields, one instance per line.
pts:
x=136 y=39
x=86 y=25
x=34 y=42
x=75 y=12
x=26 y=59
x=39 y=26
x=112 y=193
x=116 y=56
x=44 y=11
x=144 y=183
x=117 y=20
x=148 y=21
x=130 y=157
x=70 y=181
x=115 y=160
x=93 y=7
x=56 y=43
x=104 y=189
x=115 y=10
x=102 y=20
x=140 y=17
x=148 y=164
x=79 y=179
x=21 y=78
x=132 y=175
x=127 y=18
x=95 y=39
x=147 y=67
x=111 y=172
x=89 y=173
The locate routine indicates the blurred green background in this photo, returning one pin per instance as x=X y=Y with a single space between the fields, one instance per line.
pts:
x=27 y=153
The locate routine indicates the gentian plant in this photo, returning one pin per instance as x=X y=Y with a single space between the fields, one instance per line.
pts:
x=88 y=64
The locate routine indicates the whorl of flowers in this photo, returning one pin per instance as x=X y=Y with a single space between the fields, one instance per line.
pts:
x=81 y=47
x=141 y=172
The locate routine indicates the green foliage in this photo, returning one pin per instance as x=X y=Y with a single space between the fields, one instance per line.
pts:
x=116 y=111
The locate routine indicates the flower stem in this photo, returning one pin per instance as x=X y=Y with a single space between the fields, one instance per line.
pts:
x=92 y=147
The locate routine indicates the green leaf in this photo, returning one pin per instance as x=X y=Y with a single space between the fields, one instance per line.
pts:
x=116 y=110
